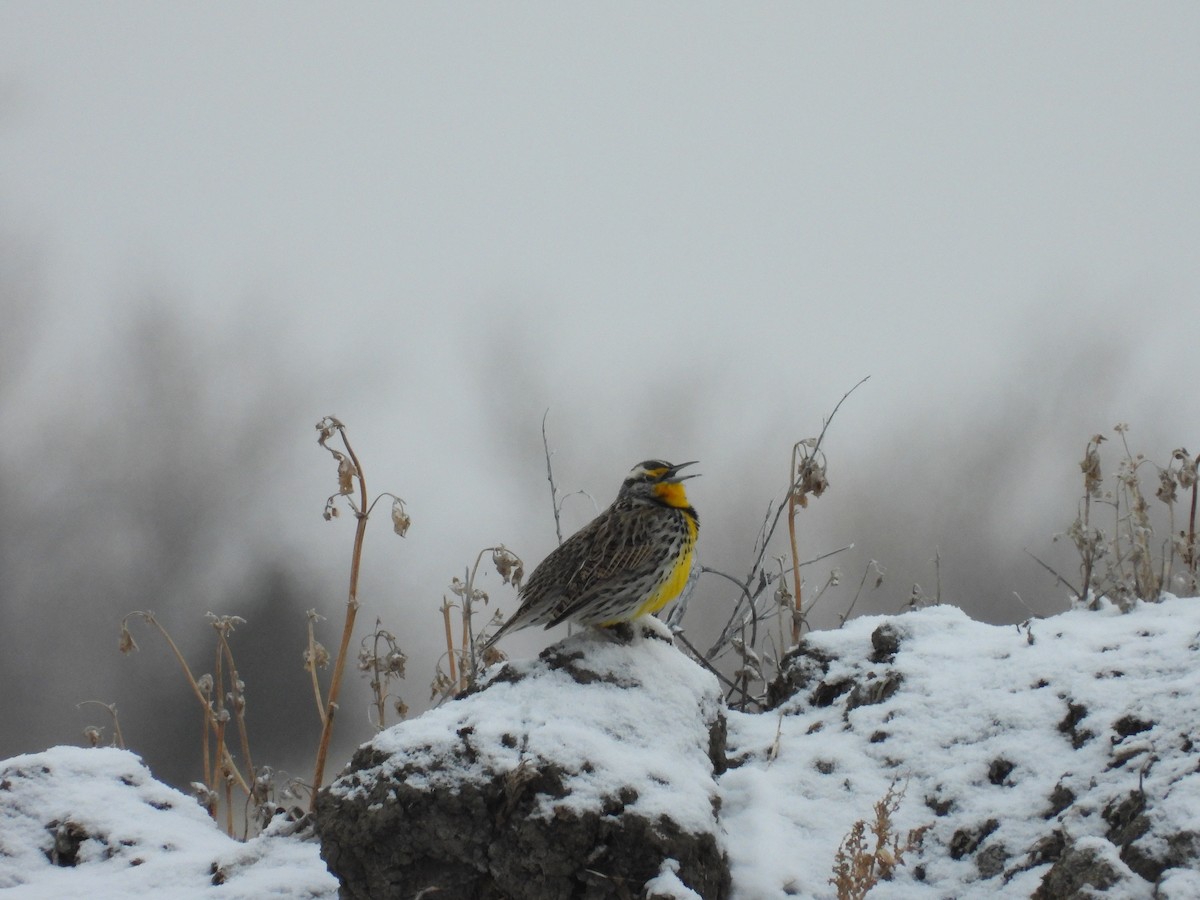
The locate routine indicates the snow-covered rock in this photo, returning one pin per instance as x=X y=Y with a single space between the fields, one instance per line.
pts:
x=1047 y=758
x=93 y=823
x=590 y=772
x=1057 y=759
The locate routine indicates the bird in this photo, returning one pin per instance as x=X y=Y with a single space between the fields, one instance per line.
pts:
x=630 y=561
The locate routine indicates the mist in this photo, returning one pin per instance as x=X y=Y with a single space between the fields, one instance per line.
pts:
x=675 y=233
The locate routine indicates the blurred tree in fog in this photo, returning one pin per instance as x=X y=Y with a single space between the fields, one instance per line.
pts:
x=144 y=485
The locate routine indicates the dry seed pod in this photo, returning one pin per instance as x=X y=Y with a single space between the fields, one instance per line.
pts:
x=400 y=519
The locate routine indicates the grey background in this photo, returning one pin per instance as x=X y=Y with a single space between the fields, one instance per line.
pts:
x=684 y=229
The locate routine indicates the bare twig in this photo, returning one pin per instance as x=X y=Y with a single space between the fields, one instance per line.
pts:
x=219 y=772
x=210 y=716
x=682 y=638
x=1188 y=476
x=733 y=616
x=832 y=581
x=837 y=406
x=795 y=499
x=554 y=503
x=1061 y=580
x=118 y=738
x=237 y=690
x=807 y=477
x=450 y=654
x=511 y=570
x=378 y=683
x=315 y=657
x=937 y=568
x=751 y=598
x=1087 y=538
x=878 y=581
x=382 y=667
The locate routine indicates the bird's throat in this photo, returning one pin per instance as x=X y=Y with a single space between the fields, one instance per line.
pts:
x=672 y=494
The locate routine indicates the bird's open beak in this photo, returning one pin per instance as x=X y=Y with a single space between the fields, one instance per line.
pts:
x=673 y=472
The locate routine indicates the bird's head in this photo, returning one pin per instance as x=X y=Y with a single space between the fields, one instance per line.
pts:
x=658 y=482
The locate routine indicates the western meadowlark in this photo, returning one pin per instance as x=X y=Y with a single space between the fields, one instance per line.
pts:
x=630 y=561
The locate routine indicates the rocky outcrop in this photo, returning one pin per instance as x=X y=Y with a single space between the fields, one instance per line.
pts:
x=589 y=773
x=1057 y=759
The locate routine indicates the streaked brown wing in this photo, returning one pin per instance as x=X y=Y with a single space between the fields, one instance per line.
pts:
x=545 y=593
x=621 y=551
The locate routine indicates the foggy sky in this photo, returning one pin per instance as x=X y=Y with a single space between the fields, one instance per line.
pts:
x=686 y=230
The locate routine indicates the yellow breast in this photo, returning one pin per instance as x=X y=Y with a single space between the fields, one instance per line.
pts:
x=677 y=579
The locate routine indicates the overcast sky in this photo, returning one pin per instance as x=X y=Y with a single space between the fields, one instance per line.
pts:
x=684 y=229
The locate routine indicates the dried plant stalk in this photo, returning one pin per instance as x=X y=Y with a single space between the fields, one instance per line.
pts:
x=871 y=853
x=348 y=470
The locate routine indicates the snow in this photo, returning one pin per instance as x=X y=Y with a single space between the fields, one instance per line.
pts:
x=972 y=694
x=666 y=885
x=979 y=720
x=144 y=838
x=639 y=721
